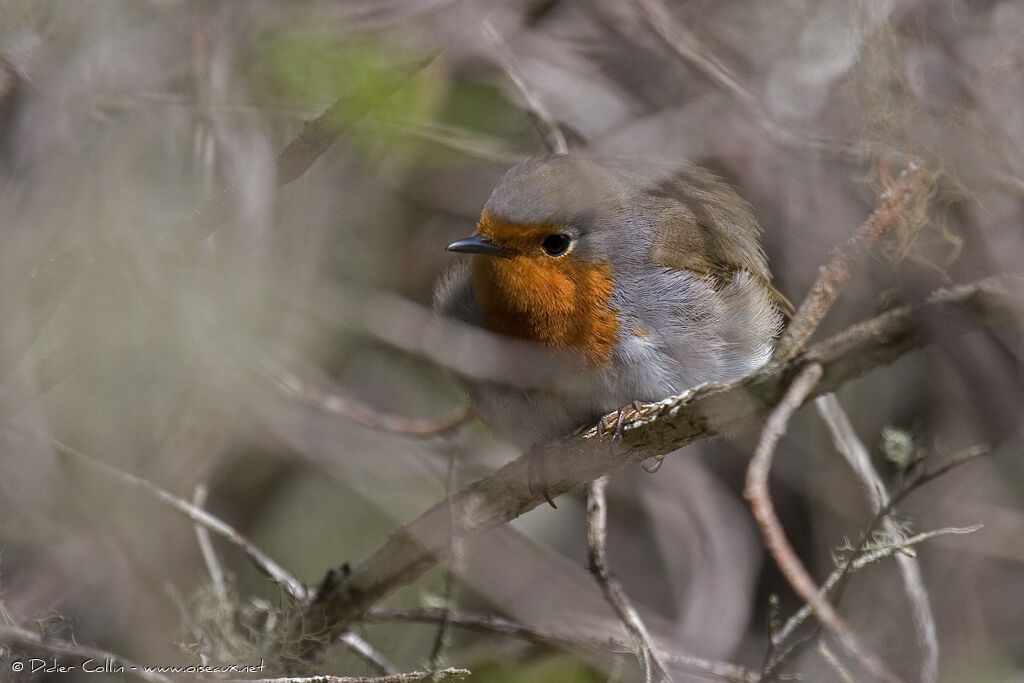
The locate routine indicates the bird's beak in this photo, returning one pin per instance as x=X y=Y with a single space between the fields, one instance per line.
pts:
x=477 y=244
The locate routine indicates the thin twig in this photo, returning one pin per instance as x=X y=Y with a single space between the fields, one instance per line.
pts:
x=213 y=565
x=832 y=660
x=834 y=586
x=12 y=635
x=688 y=47
x=465 y=140
x=757 y=494
x=895 y=202
x=649 y=430
x=861 y=560
x=852 y=448
x=597 y=516
x=334 y=404
x=489 y=623
x=315 y=138
x=259 y=559
x=450 y=577
x=358 y=645
x=542 y=119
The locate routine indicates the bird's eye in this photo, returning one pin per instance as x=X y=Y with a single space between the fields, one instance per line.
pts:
x=555 y=245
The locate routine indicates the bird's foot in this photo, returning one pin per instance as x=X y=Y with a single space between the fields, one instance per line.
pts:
x=653 y=466
x=536 y=475
x=620 y=419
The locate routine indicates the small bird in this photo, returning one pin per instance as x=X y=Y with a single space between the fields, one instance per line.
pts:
x=654 y=283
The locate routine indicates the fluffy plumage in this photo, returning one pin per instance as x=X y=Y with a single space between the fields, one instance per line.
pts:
x=664 y=287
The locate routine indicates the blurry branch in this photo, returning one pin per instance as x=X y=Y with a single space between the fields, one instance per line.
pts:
x=454 y=137
x=542 y=119
x=488 y=623
x=450 y=585
x=757 y=494
x=688 y=47
x=832 y=660
x=415 y=329
x=213 y=565
x=597 y=515
x=226 y=607
x=648 y=430
x=443 y=675
x=855 y=453
x=1011 y=183
x=315 y=138
x=368 y=653
x=266 y=566
x=15 y=636
x=333 y=404
x=897 y=202
x=867 y=551
x=861 y=559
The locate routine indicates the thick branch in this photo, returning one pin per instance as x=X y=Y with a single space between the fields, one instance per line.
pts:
x=650 y=430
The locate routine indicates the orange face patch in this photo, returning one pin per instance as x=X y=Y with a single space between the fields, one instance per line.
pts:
x=558 y=301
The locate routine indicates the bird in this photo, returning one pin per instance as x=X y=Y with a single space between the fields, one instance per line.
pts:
x=651 y=281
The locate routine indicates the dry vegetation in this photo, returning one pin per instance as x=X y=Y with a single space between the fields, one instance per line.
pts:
x=226 y=419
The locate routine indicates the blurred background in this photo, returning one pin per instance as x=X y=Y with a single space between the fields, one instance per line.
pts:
x=193 y=343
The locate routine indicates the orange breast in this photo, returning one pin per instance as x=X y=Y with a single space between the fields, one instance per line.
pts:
x=561 y=302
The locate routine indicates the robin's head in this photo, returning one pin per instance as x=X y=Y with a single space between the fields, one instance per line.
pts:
x=540 y=271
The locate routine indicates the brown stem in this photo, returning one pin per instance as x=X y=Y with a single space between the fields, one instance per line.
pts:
x=649 y=430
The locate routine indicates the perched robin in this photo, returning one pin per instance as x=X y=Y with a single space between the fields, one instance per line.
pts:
x=654 y=284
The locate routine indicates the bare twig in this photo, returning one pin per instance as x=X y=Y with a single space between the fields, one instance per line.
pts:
x=315 y=138
x=335 y=404
x=757 y=494
x=597 y=515
x=16 y=636
x=213 y=565
x=450 y=576
x=852 y=448
x=649 y=430
x=688 y=47
x=832 y=660
x=465 y=140
x=861 y=560
x=895 y=203
x=542 y=119
x=489 y=623
x=259 y=559
x=368 y=653
x=856 y=560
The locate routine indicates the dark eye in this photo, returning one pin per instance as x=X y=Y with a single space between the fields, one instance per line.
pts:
x=555 y=245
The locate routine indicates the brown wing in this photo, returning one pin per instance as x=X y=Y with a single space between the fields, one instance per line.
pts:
x=707 y=228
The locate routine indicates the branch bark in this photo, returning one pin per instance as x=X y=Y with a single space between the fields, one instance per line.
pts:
x=757 y=494
x=647 y=431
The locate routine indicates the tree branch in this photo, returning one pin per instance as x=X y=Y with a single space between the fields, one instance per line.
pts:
x=856 y=454
x=896 y=202
x=756 y=492
x=597 y=516
x=12 y=635
x=489 y=623
x=648 y=430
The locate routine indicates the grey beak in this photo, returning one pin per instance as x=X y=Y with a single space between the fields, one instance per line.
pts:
x=477 y=244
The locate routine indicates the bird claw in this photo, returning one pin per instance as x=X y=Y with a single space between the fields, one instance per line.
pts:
x=620 y=420
x=536 y=477
x=651 y=469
